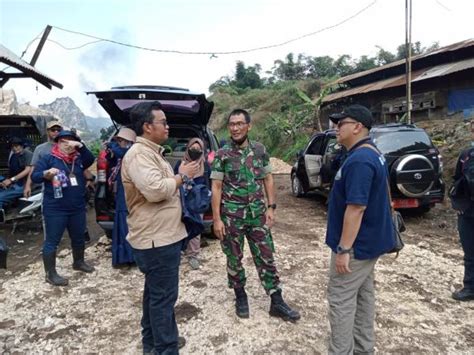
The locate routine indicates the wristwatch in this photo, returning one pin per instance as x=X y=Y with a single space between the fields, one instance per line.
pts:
x=272 y=205
x=184 y=178
x=13 y=179
x=341 y=250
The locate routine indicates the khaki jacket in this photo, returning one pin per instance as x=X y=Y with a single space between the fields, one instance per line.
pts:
x=153 y=202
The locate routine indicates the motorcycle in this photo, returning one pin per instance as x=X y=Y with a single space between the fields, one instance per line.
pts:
x=25 y=211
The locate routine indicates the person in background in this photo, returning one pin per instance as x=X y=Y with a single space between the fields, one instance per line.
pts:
x=64 y=206
x=155 y=229
x=121 y=250
x=241 y=172
x=465 y=170
x=52 y=130
x=195 y=152
x=18 y=170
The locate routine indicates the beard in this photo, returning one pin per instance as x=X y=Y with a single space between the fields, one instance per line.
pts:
x=241 y=140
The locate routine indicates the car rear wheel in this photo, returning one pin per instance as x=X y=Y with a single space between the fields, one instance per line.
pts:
x=296 y=187
x=414 y=175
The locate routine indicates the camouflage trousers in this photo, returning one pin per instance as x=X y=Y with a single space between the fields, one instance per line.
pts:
x=261 y=246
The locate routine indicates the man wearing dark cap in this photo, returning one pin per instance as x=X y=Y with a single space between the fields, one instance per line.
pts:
x=359 y=230
x=18 y=166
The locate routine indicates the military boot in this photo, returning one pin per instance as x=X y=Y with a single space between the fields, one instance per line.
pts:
x=241 y=303
x=279 y=308
x=52 y=277
x=78 y=261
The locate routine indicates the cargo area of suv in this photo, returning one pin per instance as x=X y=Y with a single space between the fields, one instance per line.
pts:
x=187 y=114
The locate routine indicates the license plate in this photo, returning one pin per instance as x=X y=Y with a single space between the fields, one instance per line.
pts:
x=405 y=203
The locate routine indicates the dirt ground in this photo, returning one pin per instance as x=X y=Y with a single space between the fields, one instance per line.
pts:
x=100 y=312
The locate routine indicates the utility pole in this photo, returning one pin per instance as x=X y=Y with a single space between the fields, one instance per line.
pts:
x=408 y=7
x=46 y=32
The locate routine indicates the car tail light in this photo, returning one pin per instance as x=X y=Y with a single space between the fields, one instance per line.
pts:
x=102 y=166
x=207 y=217
x=440 y=162
x=103 y=218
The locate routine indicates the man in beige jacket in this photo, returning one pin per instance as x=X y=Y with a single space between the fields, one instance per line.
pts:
x=156 y=232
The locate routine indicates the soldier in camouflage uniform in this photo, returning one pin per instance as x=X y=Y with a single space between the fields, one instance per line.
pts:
x=240 y=173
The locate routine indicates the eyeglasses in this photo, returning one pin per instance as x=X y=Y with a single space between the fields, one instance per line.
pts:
x=342 y=123
x=238 y=125
x=55 y=129
x=163 y=122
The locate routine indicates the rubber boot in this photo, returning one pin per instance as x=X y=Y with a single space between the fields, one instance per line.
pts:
x=241 y=303
x=463 y=295
x=52 y=277
x=79 y=263
x=279 y=308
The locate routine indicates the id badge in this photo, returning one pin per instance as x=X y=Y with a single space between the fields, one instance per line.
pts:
x=73 y=181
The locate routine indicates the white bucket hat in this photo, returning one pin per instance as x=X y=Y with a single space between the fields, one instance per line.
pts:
x=128 y=134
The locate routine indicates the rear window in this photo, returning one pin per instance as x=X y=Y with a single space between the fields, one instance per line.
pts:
x=180 y=106
x=406 y=141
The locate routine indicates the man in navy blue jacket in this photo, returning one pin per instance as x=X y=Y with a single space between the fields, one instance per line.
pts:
x=359 y=230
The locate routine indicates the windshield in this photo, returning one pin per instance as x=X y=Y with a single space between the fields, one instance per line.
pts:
x=406 y=141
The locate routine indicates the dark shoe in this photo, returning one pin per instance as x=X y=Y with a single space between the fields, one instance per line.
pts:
x=181 y=342
x=52 y=276
x=79 y=263
x=463 y=295
x=281 y=310
x=241 y=303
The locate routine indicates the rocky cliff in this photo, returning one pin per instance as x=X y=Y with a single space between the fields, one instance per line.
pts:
x=68 y=112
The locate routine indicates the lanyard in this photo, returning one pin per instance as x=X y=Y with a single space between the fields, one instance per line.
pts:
x=71 y=171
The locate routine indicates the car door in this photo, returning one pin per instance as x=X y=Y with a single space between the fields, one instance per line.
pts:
x=332 y=154
x=313 y=162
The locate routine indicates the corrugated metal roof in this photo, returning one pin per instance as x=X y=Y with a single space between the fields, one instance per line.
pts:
x=446 y=69
x=10 y=58
x=400 y=80
x=451 y=47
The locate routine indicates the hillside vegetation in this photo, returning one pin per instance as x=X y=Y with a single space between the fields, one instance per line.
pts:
x=284 y=102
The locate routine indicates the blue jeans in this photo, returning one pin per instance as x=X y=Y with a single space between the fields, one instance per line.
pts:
x=466 y=234
x=55 y=226
x=10 y=194
x=161 y=268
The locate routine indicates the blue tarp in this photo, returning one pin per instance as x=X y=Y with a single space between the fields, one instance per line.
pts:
x=460 y=100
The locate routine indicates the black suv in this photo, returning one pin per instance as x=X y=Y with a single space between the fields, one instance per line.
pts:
x=187 y=114
x=414 y=164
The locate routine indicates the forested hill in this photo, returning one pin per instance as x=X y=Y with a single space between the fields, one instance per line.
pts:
x=284 y=100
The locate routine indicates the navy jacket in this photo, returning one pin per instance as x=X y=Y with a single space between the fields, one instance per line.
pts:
x=73 y=200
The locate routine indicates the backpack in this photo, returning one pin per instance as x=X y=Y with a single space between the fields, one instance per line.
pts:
x=461 y=192
x=468 y=172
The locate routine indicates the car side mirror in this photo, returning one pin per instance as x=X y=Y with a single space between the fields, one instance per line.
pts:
x=299 y=153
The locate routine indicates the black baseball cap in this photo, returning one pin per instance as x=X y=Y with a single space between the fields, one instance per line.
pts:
x=357 y=112
x=69 y=134
x=17 y=141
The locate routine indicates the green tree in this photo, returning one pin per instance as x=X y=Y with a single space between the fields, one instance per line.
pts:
x=288 y=69
x=384 y=57
x=365 y=63
x=247 y=77
x=106 y=133
x=320 y=67
x=343 y=65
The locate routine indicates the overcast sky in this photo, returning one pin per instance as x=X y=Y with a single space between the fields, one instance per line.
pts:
x=207 y=26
